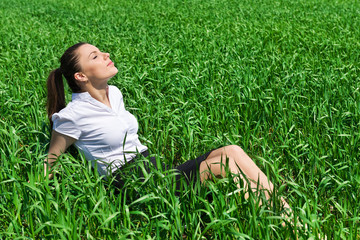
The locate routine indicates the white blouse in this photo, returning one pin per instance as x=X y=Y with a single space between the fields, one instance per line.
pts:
x=105 y=135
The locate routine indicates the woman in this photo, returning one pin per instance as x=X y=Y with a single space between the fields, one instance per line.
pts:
x=98 y=124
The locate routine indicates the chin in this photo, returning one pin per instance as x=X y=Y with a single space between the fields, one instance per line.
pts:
x=114 y=72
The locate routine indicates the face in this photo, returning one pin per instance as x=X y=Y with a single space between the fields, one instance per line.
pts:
x=96 y=66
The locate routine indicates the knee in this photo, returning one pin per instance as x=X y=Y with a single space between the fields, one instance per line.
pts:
x=234 y=151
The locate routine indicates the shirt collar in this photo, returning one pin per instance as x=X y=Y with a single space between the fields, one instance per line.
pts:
x=86 y=97
x=81 y=96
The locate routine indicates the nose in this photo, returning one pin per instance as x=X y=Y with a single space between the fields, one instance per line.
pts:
x=106 y=55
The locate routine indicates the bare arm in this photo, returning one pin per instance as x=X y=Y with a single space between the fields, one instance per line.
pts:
x=58 y=145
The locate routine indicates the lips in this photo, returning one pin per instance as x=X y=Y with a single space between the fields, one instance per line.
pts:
x=110 y=63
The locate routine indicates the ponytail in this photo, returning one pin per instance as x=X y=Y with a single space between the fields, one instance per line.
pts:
x=56 y=95
x=69 y=65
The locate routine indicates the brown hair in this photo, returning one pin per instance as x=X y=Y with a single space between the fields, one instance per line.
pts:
x=69 y=65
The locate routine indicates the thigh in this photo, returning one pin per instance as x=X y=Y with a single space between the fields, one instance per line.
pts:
x=215 y=165
x=224 y=152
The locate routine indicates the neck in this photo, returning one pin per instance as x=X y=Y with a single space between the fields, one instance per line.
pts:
x=101 y=94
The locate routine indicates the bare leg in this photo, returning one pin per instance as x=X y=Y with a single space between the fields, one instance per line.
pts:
x=237 y=158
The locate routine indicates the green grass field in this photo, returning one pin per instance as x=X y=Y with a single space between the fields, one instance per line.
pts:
x=279 y=78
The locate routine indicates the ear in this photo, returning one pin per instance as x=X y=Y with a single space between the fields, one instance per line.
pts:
x=80 y=77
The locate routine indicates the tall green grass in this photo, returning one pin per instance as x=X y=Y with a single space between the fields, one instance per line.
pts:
x=278 y=78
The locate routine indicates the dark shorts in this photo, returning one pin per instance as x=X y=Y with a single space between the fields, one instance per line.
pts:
x=189 y=170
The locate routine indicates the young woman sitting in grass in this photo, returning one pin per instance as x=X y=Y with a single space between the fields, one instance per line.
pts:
x=97 y=123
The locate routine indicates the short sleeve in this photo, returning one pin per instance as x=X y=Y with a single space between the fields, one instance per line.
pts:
x=64 y=124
